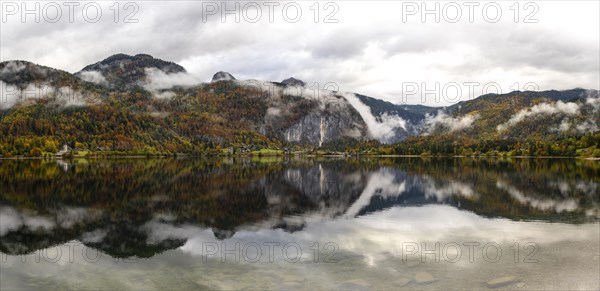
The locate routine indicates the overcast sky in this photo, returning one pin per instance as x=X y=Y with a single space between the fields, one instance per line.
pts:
x=368 y=48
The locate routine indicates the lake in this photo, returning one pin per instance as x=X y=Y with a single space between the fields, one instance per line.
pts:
x=300 y=223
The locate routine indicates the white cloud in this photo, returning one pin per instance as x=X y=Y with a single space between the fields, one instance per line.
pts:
x=381 y=128
x=373 y=56
x=587 y=126
x=273 y=111
x=591 y=123
x=158 y=80
x=594 y=102
x=93 y=76
x=565 y=125
x=12 y=68
x=443 y=120
x=164 y=95
x=317 y=94
x=11 y=95
x=568 y=108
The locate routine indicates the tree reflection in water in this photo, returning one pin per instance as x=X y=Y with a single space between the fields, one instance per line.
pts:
x=108 y=204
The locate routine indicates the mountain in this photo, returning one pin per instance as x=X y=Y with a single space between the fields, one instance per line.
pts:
x=112 y=108
x=24 y=73
x=414 y=115
x=123 y=71
x=99 y=203
x=222 y=76
x=263 y=193
x=297 y=116
x=546 y=123
x=144 y=105
x=526 y=115
x=293 y=82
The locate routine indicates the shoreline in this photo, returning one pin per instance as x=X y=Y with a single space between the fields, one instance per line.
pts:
x=282 y=156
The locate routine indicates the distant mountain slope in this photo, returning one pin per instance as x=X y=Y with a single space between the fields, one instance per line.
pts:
x=528 y=114
x=123 y=70
x=147 y=105
x=401 y=120
x=24 y=73
x=411 y=113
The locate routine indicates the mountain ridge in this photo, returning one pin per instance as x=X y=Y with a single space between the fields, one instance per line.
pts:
x=167 y=101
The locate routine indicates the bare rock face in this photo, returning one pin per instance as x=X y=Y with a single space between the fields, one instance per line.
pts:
x=293 y=82
x=318 y=128
x=222 y=76
x=325 y=185
x=313 y=121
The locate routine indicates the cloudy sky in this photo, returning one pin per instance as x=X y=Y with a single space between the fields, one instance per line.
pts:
x=382 y=49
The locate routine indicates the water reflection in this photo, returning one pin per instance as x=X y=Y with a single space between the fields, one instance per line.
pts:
x=367 y=207
x=109 y=204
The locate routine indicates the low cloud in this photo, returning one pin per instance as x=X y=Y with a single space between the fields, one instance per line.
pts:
x=93 y=76
x=12 y=68
x=447 y=122
x=564 y=126
x=164 y=95
x=591 y=123
x=273 y=111
x=159 y=80
x=587 y=126
x=568 y=108
x=594 y=102
x=381 y=128
x=593 y=99
x=11 y=95
x=275 y=90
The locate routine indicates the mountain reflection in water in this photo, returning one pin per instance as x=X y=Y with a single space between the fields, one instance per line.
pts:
x=119 y=206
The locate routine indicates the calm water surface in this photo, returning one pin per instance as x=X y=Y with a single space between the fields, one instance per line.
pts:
x=299 y=223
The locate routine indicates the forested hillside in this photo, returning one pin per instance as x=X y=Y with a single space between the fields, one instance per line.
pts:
x=139 y=105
